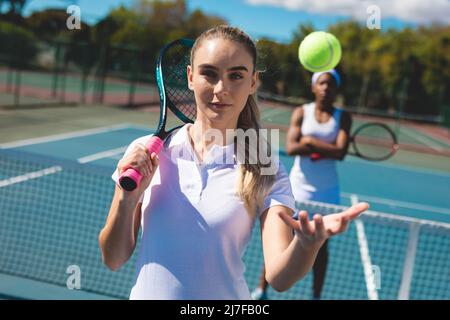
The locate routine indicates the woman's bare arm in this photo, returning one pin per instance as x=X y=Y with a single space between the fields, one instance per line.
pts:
x=337 y=150
x=290 y=246
x=294 y=144
x=118 y=237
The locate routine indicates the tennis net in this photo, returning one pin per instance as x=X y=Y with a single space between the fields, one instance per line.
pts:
x=51 y=211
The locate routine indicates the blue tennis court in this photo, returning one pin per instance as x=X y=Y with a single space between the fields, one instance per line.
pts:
x=55 y=193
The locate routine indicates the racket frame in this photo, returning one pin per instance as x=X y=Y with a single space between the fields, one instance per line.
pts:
x=131 y=178
x=358 y=153
x=163 y=101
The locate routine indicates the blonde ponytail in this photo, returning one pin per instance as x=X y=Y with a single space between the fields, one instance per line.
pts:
x=253 y=186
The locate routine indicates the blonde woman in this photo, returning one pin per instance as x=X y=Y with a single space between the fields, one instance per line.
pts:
x=196 y=212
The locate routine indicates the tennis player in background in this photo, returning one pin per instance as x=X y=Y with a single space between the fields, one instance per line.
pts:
x=316 y=129
x=197 y=213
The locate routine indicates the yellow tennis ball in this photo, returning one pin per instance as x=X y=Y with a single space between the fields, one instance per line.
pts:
x=319 y=51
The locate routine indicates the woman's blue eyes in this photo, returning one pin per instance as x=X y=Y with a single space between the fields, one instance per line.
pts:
x=209 y=74
x=236 y=76
x=212 y=74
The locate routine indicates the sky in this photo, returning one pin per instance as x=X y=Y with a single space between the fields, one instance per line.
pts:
x=278 y=19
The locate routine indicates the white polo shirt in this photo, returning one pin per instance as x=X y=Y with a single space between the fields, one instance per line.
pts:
x=195 y=228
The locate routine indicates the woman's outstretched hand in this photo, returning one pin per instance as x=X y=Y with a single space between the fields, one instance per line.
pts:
x=316 y=231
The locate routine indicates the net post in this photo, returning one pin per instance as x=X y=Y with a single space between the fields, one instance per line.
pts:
x=56 y=70
x=410 y=257
x=64 y=75
x=17 y=87
x=84 y=71
x=365 y=256
x=132 y=77
x=363 y=94
x=9 y=79
x=401 y=104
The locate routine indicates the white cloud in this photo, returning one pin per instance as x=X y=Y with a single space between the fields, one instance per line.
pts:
x=417 y=11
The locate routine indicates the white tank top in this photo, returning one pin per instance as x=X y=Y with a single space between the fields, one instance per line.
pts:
x=317 y=180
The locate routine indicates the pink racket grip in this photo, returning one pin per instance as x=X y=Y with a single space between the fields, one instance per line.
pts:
x=131 y=178
x=315 y=156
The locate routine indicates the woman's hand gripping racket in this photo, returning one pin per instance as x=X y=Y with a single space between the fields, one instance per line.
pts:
x=372 y=141
x=171 y=78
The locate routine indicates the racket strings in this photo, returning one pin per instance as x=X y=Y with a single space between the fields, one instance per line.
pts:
x=178 y=95
x=375 y=141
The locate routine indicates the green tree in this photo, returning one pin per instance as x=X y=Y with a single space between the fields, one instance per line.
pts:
x=19 y=46
x=197 y=22
x=47 y=24
x=16 y=6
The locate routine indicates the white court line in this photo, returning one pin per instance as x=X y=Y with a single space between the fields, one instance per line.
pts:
x=399 y=167
x=430 y=143
x=409 y=205
x=135 y=126
x=266 y=115
x=390 y=216
x=116 y=157
x=29 y=176
x=101 y=155
x=68 y=135
x=365 y=257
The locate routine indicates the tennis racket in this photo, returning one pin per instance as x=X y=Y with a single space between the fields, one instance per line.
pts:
x=372 y=141
x=171 y=78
